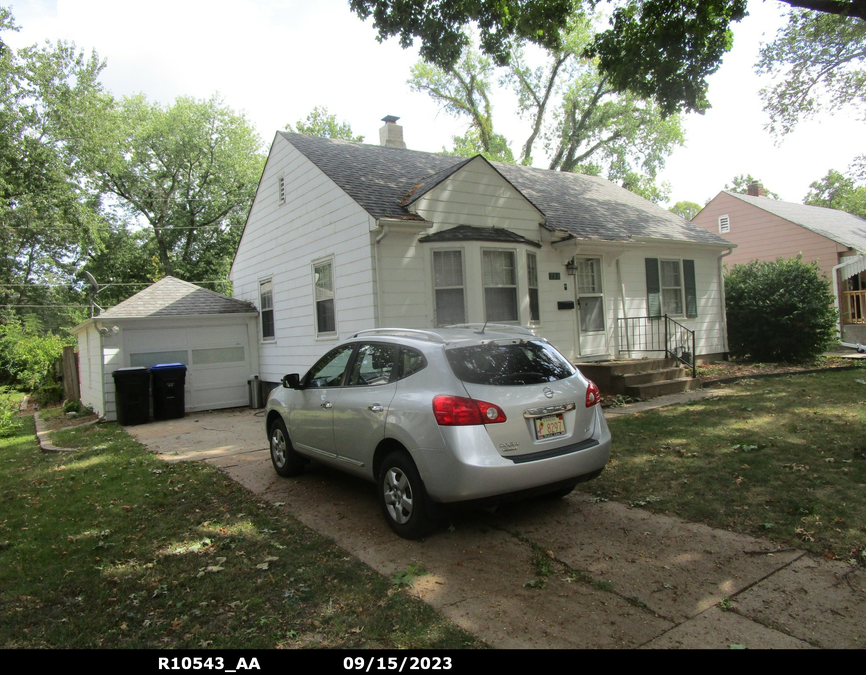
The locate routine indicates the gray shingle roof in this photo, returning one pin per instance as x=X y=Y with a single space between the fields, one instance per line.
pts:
x=173 y=297
x=471 y=233
x=384 y=181
x=834 y=224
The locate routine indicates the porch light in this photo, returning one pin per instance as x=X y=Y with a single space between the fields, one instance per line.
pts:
x=570 y=267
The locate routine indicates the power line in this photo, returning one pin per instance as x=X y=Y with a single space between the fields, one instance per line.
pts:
x=111 y=283
x=76 y=306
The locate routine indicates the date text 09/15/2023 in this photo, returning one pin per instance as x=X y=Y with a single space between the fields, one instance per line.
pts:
x=350 y=663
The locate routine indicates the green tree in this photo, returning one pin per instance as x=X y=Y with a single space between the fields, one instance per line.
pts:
x=664 y=49
x=685 y=209
x=188 y=171
x=838 y=191
x=28 y=353
x=819 y=62
x=741 y=183
x=464 y=91
x=584 y=124
x=49 y=98
x=320 y=122
x=779 y=311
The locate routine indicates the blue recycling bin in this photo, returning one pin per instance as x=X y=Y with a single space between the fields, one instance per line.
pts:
x=168 y=381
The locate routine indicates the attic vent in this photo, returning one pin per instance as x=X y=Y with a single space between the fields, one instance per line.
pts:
x=724 y=224
x=282 y=188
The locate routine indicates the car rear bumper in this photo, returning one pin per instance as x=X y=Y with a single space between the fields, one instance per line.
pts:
x=471 y=467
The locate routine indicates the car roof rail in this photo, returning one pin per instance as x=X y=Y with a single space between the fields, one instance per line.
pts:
x=407 y=332
x=501 y=327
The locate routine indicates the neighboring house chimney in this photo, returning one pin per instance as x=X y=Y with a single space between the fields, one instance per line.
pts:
x=757 y=190
x=391 y=135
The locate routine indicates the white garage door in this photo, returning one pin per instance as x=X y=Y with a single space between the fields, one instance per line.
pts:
x=217 y=360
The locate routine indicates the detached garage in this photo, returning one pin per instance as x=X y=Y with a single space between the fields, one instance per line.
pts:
x=173 y=321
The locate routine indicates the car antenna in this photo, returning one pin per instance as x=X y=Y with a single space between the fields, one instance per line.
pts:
x=481 y=332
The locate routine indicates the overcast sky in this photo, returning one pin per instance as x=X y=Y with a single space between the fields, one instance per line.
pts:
x=277 y=59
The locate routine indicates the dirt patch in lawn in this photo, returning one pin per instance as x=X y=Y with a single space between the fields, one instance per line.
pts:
x=725 y=371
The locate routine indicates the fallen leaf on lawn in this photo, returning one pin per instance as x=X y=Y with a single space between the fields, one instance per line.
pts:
x=262 y=566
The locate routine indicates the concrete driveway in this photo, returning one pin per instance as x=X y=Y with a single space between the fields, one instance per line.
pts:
x=622 y=578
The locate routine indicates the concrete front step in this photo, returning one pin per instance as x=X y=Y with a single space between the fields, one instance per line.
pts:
x=662 y=388
x=613 y=377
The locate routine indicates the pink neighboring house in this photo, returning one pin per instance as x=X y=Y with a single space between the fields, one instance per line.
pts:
x=767 y=229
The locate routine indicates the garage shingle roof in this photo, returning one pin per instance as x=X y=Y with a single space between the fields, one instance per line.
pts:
x=174 y=297
x=385 y=181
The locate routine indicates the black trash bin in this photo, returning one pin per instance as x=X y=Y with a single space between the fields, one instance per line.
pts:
x=132 y=387
x=168 y=397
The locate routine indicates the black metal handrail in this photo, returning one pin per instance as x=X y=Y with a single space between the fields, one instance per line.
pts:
x=659 y=334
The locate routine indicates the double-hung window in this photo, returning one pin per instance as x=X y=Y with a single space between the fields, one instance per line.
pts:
x=266 y=309
x=532 y=276
x=448 y=287
x=326 y=319
x=671 y=288
x=499 y=278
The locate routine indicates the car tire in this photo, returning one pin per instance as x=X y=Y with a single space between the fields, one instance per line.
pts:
x=286 y=461
x=403 y=498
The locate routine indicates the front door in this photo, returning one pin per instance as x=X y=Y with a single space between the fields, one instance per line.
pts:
x=592 y=338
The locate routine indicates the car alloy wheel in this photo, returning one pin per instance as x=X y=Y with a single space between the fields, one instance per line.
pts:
x=285 y=460
x=402 y=496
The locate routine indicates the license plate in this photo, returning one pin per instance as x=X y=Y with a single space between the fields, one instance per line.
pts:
x=550 y=426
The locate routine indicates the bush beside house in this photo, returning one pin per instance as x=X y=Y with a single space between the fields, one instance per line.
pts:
x=779 y=311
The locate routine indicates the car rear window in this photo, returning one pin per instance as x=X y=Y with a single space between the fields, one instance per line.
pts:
x=512 y=363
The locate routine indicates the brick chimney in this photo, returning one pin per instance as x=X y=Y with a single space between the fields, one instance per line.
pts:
x=391 y=135
x=757 y=190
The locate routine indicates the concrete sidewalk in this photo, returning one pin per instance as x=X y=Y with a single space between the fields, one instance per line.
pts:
x=620 y=577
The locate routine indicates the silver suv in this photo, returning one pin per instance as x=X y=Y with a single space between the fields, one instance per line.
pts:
x=464 y=413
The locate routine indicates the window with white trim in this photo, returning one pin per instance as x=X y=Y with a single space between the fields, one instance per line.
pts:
x=532 y=276
x=448 y=287
x=724 y=224
x=499 y=278
x=323 y=282
x=266 y=309
x=671 y=288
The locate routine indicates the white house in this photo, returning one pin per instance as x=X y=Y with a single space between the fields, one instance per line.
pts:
x=172 y=321
x=345 y=236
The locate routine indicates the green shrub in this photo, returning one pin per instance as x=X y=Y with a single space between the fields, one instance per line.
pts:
x=8 y=412
x=78 y=408
x=779 y=311
x=27 y=355
x=48 y=393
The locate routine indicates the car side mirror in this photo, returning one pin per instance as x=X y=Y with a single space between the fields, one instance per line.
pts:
x=292 y=381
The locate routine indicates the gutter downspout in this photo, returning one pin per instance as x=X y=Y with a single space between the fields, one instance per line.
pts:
x=386 y=230
x=616 y=347
x=722 y=303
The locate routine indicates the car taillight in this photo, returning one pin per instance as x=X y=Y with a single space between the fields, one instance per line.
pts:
x=459 y=411
x=593 y=395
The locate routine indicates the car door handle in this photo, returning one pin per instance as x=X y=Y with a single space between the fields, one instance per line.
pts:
x=376 y=408
x=327 y=405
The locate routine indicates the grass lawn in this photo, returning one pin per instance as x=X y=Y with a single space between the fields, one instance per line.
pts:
x=112 y=547
x=783 y=458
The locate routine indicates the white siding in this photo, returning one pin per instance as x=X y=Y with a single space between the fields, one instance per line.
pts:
x=477 y=195
x=709 y=334
x=90 y=369
x=318 y=220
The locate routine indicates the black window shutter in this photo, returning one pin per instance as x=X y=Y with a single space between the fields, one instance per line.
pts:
x=653 y=289
x=691 y=290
